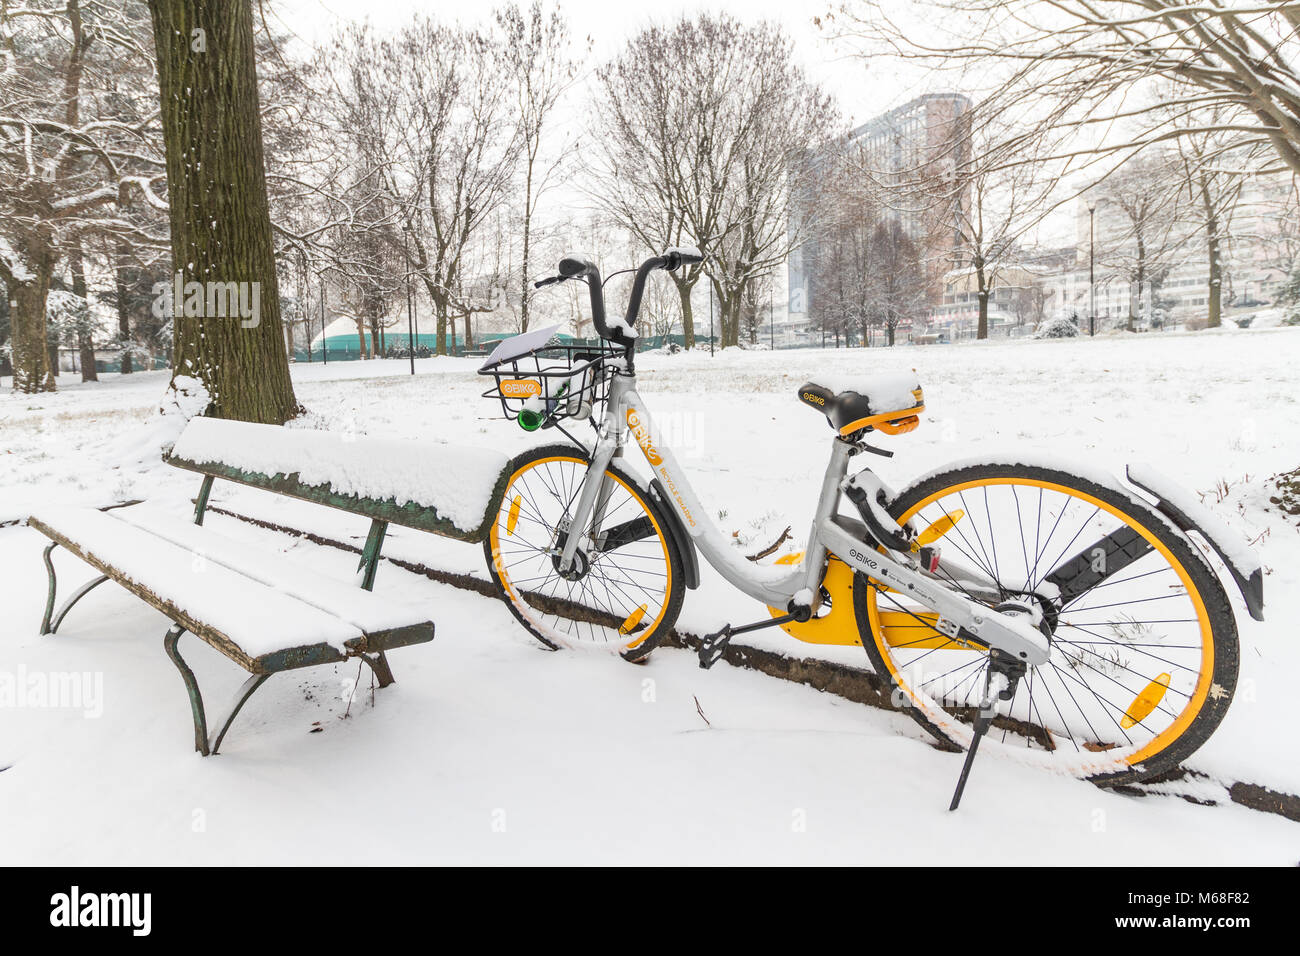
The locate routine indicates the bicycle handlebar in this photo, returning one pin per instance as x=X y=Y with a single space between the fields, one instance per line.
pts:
x=582 y=267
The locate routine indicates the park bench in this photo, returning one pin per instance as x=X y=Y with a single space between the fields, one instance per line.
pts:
x=264 y=613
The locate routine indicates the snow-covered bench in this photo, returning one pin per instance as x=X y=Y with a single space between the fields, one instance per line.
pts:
x=261 y=612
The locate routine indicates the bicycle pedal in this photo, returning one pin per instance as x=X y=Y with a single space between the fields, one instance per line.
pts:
x=713 y=646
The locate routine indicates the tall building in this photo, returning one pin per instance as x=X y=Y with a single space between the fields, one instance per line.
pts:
x=913 y=154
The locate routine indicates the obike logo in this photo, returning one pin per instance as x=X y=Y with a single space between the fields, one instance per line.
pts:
x=859 y=556
x=813 y=399
x=520 y=388
x=642 y=436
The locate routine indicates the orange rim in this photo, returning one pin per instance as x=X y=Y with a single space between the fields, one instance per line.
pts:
x=503 y=516
x=1196 y=701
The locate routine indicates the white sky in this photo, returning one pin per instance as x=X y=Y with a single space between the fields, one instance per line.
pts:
x=861 y=93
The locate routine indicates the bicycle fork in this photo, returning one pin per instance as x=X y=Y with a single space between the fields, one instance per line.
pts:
x=589 y=512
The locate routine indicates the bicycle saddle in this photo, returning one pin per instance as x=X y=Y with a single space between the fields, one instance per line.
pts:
x=888 y=401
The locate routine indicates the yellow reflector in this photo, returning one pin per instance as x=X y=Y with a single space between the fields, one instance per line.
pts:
x=939 y=528
x=632 y=621
x=1146 y=702
x=512 y=519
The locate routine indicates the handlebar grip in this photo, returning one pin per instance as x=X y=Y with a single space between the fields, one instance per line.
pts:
x=548 y=281
x=681 y=256
x=638 y=286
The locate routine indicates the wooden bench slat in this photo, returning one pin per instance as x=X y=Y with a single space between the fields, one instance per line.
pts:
x=445 y=489
x=260 y=628
x=371 y=613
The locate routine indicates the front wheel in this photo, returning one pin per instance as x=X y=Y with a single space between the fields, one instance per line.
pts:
x=626 y=586
x=1143 y=641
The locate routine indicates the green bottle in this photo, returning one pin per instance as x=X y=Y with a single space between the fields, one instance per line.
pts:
x=531 y=417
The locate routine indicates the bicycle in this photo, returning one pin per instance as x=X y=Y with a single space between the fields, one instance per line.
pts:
x=1067 y=610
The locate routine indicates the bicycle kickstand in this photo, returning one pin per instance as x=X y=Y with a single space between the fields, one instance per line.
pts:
x=999 y=684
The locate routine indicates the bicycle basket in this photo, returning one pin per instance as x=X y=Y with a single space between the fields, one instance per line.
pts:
x=545 y=384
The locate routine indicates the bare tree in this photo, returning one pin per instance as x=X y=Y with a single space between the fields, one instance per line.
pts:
x=537 y=54
x=838 y=253
x=898 y=288
x=71 y=157
x=1086 y=68
x=640 y=142
x=1213 y=188
x=1028 y=303
x=706 y=132
x=1146 y=200
x=430 y=111
x=1001 y=203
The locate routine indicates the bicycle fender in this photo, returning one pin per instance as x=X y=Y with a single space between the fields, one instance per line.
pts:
x=679 y=535
x=1190 y=515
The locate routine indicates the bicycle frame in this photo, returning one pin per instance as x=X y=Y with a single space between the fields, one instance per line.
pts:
x=626 y=413
x=797 y=591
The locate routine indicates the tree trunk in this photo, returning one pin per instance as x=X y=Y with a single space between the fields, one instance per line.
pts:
x=1214 y=298
x=1141 y=276
x=729 y=305
x=122 y=286
x=688 y=317
x=361 y=338
x=85 y=343
x=440 y=309
x=220 y=221
x=982 y=295
x=1214 y=293
x=527 y=252
x=33 y=371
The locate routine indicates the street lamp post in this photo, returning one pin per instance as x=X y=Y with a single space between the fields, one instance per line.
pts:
x=324 y=348
x=771 y=315
x=410 y=309
x=710 y=318
x=1092 y=265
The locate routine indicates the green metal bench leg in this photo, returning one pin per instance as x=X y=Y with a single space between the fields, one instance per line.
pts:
x=245 y=691
x=51 y=621
x=202 y=742
x=379 y=664
x=201 y=502
x=191 y=687
x=366 y=573
x=77 y=595
x=54 y=585
x=370 y=556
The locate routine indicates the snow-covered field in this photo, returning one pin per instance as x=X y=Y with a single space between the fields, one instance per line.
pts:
x=489 y=749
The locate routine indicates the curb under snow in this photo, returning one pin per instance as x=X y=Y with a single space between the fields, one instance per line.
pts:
x=855 y=684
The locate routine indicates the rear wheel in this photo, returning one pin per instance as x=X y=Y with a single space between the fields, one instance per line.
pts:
x=626 y=587
x=1143 y=641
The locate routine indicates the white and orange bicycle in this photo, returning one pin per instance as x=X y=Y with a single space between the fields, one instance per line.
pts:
x=1067 y=616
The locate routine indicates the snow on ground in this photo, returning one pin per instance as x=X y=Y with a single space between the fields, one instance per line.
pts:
x=490 y=749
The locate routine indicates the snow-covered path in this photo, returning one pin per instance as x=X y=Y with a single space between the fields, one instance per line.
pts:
x=489 y=749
